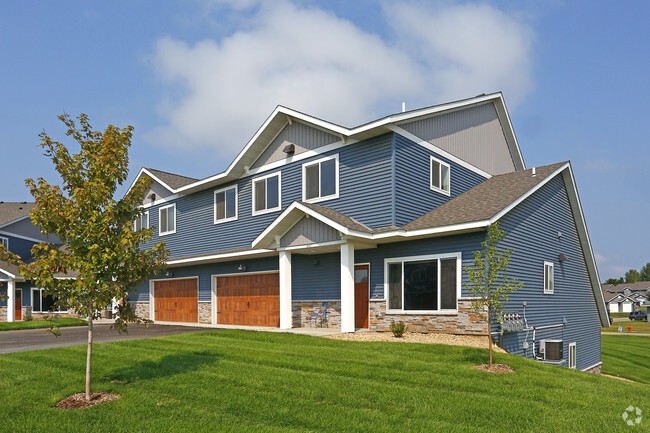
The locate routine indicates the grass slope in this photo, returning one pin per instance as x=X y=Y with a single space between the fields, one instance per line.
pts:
x=627 y=356
x=34 y=324
x=240 y=381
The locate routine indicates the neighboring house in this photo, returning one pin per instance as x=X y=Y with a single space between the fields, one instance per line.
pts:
x=378 y=220
x=19 y=235
x=625 y=297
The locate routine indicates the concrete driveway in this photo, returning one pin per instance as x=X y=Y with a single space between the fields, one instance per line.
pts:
x=36 y=339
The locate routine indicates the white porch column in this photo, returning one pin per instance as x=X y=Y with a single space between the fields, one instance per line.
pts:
x=11 y=301
x=286 y=320
x=347 y=287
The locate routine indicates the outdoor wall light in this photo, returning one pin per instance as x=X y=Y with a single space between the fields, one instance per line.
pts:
x=241 y=268
x=562 y=258
x=169 y=274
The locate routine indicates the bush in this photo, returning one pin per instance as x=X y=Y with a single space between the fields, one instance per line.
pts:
x=28 y=318
x=398 y=329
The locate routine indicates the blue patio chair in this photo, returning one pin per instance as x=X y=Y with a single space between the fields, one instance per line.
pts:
x=322 y=315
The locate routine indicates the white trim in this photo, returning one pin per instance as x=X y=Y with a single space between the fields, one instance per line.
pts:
x=41 y=311
x=145 y=213
x=4 y=241
x=355 y=290
x=226 y=219
x=27 y=238
x=218 y=256
x=152 y=297
x=301 y=156
x=285 y=289
x=570 y=363
x=551 y=266
x=319 y=162
x=214 y=287
x=152 y=176
x=314 y=245
x=457 y=255
x=441 y=190
x=347 y=287
x=14 y=221
x=443 y=153
x=254 y=212
x=160 y=232
x=159 y=201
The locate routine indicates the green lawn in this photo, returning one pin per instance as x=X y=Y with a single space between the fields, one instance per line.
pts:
x=627 y=314
x=626 y=356
x=33 y=324
x=638 y=327
x=242 y=381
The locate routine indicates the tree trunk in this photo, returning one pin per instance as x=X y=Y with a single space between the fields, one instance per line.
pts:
x=89 y=354
x=490 y=335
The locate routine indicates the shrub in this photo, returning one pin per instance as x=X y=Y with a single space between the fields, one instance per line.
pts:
x=28 y=318
x=398 y=329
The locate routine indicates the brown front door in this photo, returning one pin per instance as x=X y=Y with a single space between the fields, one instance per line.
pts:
x=361 y=295
x=19 y=304
x=176 y=300
x=249 y=300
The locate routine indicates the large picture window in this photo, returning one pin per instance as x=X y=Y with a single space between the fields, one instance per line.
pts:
x=42 y=303
x=440 y=176
x=167 y=220
x=266 y=194
x=225 y=204
x=426 y=283
x=320 y=179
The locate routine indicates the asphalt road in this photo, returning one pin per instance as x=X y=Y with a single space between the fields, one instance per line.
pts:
x=36 y=339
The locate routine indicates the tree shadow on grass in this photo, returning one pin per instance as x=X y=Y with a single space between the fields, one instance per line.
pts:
x=166 y=366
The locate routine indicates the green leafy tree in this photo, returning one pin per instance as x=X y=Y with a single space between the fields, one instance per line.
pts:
x=614 y=281
x=488 y=279
x=644 y=273
x=101 y=248
x=632 y=276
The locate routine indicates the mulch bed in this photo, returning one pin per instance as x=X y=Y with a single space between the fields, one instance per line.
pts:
x=494 y=368
x=78 y=401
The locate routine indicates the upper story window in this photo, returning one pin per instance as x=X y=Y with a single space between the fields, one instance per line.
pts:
x=225 y=204
x=549 y=278
x=167 y=220
x=320 y=179
x=141 y=222
x=424 y=283
x=266 y=194
x=440 y=172
x=5 y=242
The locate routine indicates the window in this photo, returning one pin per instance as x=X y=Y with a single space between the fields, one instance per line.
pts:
x=427 y=283
x=320 y=179
x=167 y=220
x=4 y=242
x=440 y=176
x=141 y=222
x=225 y=204
x=549 y=279
x=266 y=194
x=572 y=355
x=42 y=303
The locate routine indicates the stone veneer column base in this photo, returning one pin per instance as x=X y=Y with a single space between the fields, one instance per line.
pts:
x=205 y=312
x=141 y=310
x=465 y=322
x=3 y=314
x=597 y=369
x=301 y=310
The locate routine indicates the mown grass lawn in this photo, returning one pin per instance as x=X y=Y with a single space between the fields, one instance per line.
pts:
x=627 y=356
x=242 y=381
x=34 y=324
x=638 y=327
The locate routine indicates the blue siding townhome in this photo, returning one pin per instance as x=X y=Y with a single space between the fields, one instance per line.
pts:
x=378 y=221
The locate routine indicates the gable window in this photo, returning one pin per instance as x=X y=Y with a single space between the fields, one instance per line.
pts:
x=141 y=222
x=266 y=194
x=549 y=279
x=225 y=204
x=572 y=355
x=320 y=179
x=167 y=220
x=424 y=283
x=440 y=174
x=42 y=303
x=5 y=242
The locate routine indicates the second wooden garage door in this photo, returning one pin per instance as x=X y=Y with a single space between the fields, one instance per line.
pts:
x=249 y=300
x=176 y=300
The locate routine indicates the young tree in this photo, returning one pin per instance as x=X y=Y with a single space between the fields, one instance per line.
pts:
x=644 y=273
x=488 y=279
x=632 y=276
x=101 y=247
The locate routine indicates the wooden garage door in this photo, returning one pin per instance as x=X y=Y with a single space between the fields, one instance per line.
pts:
x=176 y=300
x=249 y=300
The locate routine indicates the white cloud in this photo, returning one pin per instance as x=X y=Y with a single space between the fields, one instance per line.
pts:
x=316 y=62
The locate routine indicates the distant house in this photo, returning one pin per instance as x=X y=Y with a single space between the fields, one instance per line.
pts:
x=624 y=297
x=19 y=235
x=379 y=220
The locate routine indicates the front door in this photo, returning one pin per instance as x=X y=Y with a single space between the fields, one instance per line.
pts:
x=19 y=304
x=361 y=295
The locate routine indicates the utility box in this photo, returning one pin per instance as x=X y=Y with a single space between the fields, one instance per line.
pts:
x=512 y=322
x=551 y=350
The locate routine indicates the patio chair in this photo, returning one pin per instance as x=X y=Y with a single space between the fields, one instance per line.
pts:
x=322 y=315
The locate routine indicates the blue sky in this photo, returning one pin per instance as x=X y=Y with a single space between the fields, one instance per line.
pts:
x=197 y=78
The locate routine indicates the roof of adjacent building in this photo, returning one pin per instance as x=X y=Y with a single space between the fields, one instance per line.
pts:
x=11 y=211
x=172 y=180
x=641 y=285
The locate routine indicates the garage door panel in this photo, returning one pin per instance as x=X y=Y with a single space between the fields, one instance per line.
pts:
x=249 y=300
x=176 y=300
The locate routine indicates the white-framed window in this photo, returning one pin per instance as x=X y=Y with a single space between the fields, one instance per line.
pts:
x=225 y=204
x=266 y=193
x=423 y=283
x=167 y=220
x=320 y=179
x=549 y=278
x=572 y=355
x=440 y=177
x=141 y=222
x=4 y=241
x=42 y=303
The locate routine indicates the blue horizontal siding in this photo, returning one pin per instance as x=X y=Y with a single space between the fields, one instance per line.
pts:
x=19 y=246
x=315 y=277
x=26 y=288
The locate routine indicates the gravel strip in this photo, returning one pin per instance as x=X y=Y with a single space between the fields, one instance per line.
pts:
x=418 y=337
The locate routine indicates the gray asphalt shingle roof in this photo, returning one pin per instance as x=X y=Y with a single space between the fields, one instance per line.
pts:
x=10 y=211
x=173 y=180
